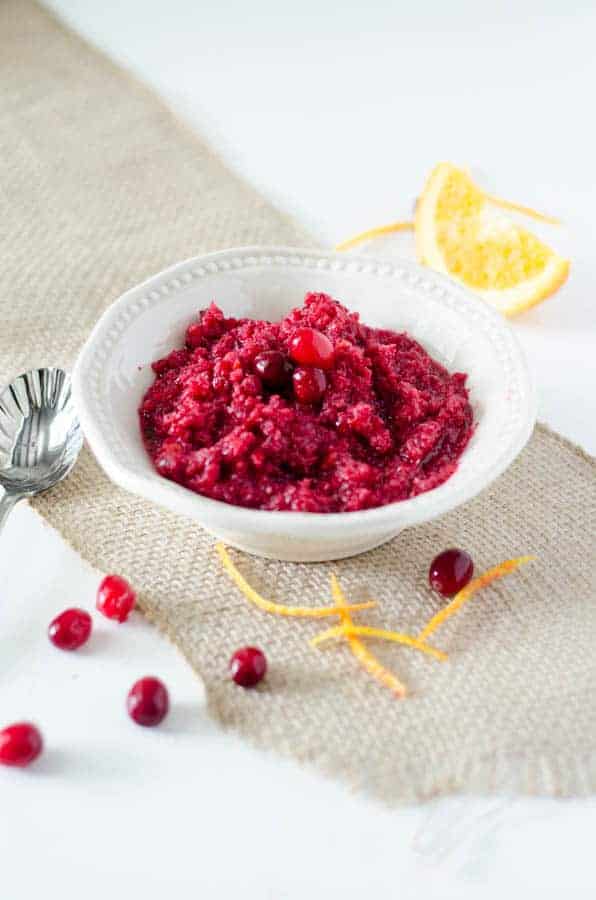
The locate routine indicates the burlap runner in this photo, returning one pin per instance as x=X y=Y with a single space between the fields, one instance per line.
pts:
x=101 y=187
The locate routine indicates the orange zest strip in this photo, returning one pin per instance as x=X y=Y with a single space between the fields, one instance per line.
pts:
x=279 y=609
x=363 y=631
x=373 y=233
x=524 y=210
x=364 y=656
x=374 y=668
x=470 y=589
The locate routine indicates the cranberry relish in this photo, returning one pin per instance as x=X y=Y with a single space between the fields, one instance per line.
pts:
x=226 y=419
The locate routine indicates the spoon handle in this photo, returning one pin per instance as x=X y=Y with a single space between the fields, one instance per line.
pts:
x=7 y=501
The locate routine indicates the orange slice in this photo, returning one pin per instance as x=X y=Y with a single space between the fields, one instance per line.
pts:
x=461 y=233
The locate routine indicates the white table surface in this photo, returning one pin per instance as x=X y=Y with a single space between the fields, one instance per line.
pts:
x=336 y=113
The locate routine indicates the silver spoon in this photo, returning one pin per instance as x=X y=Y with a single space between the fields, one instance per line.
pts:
x=40 y=435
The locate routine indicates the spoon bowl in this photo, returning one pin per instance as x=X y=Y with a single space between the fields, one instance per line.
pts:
x=40 y=434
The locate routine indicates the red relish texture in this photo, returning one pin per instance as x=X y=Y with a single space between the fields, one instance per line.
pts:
x=391 y=422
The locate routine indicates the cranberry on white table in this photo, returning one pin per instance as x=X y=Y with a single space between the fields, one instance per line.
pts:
x=336 y=112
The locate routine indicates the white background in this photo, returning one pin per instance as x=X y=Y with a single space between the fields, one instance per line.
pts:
x=336 y=113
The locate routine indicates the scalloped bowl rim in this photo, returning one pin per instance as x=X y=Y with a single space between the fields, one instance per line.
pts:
x=399 y=514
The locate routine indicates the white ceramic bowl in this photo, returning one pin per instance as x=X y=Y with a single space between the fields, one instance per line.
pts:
x=113 y=372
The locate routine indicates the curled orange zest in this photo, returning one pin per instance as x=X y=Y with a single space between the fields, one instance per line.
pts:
x=373 y=233
x=364 y=656
x=363 y=631
x=279 y=609
x=470 y=589
x=524 y=210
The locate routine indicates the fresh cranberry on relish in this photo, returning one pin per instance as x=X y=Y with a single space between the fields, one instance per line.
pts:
x=115 y=598
x=194 y=335
x=20 y=744
x=273 y=368
x=450 y=571
x=309 y=347
x=248 y=666
x=309 y=385
x=71 y=629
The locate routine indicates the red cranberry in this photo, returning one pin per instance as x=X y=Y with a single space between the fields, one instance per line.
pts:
x=309 y=385
x=115 y=598
x=310 y=347
x=248 y=666
x=450 y=571
x=273 y=368
x=20 y=744
x=194 y=335
x=71 y=629
x=148 y=702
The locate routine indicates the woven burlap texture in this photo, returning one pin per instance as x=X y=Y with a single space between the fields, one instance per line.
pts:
x=101 y=187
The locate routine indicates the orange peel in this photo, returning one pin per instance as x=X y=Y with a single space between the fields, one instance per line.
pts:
x=396 y=637
x=366 y=659
x=522 y=210
x=462 y=597
x=352 y=633
x=373 y=233
x=280 y=609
